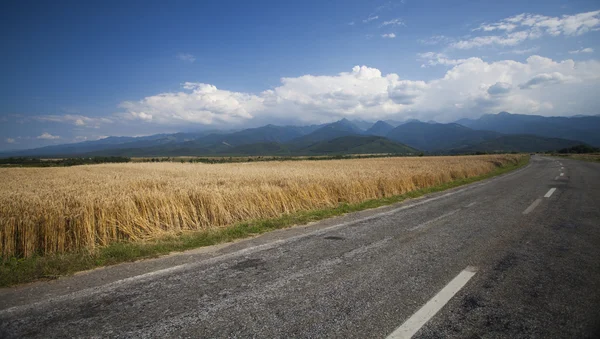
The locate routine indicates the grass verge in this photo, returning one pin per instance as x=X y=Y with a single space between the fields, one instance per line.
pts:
x=584 y=157
x=17 y=271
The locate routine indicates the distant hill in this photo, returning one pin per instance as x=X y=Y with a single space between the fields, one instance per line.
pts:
x=362 y=124
x=520 y=143
x=331 y=131
x=438 y=137
x=263 y=148
x=584 y=128
x=264 y=134
x=351 y=144
x=380 y=128
x=358 y=144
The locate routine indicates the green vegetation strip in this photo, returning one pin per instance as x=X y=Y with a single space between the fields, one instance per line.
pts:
x=16 y=271
x=583 y=157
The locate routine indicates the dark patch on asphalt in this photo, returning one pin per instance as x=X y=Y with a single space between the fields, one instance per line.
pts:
x=501 y=323
x=248 y=263
x=332 y=237
x=471 y=302
x=563 y=225
x=499 y=269
x=505 y=263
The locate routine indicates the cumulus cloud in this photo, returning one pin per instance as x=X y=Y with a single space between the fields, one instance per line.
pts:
x=202 y=103
x=48 y=136
x=499 y=88
x=388 y=35
x=583 y=50
x=545 y=79
x=469 y=88
x=526 y=26
x=186 y=57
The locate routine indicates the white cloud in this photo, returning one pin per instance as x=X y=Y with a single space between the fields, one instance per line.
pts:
x=583 y=50
x=393 y=22
x=48 y=136
x=502 y=26
x=576 y=24
x=436 y=39
x=186 y=57
x=499 y=88
x=510 y=39
x=545 y=79
x=203 y=103
x=434 y=59
x=469 y=88
x=10 y=140
x=388 y=35
x=371 y=18
x=521 y=51
x=75 y=119
x=525 y=26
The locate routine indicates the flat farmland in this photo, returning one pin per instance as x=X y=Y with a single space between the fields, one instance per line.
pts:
x=62 y=209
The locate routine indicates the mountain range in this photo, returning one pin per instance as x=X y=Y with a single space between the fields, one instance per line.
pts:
x=502 y=132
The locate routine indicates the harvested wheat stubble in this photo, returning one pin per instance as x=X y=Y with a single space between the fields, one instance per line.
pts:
x=54 y=210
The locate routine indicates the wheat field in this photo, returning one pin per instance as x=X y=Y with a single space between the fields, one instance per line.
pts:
x=62 y=209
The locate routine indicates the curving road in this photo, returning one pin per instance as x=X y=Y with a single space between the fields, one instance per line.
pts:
x=516 y=256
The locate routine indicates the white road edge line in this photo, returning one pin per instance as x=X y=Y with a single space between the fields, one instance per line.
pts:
x=425 y=313
x=549 y=194
x=532 y=206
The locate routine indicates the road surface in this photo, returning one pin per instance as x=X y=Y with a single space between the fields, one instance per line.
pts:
x=517 y=256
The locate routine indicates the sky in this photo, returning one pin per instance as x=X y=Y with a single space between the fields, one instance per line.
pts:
x=83 y=70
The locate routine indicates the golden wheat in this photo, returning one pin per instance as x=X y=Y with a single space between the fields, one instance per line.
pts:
x=54 y=210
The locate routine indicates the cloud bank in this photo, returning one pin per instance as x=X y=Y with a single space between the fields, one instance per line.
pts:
x=470 y=88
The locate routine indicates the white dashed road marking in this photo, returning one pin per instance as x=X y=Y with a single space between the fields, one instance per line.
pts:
x=532 y=206
x=550 y=193
x=425 y=313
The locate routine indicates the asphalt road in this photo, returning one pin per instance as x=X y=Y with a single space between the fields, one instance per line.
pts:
x=505 y=258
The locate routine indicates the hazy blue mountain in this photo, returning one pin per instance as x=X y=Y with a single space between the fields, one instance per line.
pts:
x=380 y=128
x=186 y=142
x=264 y=134
x=330 y=131
x=521 y=143
x=362 y=124
x=584 y=128
x=490 y=133
x=397 y=123
x=438 y=137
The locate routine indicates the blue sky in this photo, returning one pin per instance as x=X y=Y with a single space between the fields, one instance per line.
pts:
x=82 y=70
